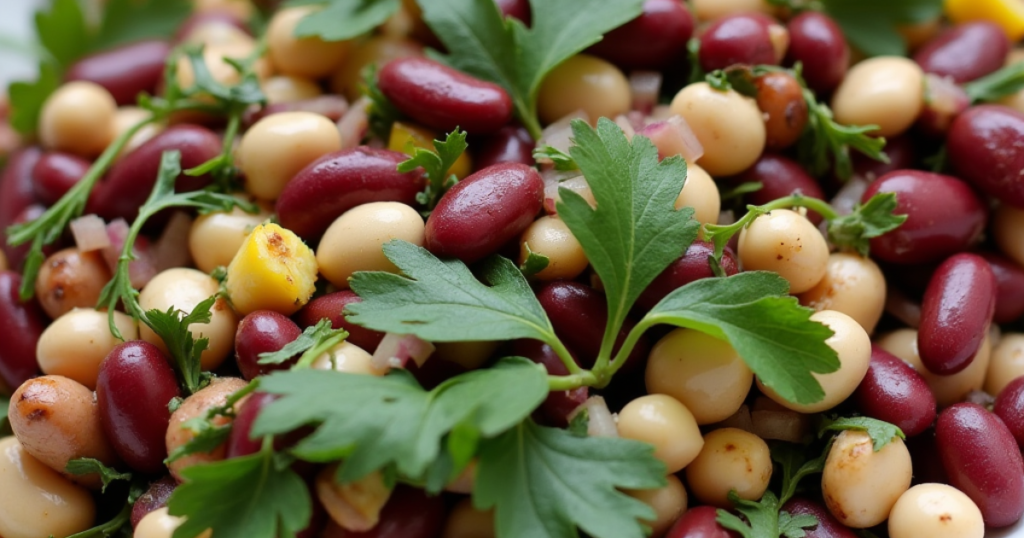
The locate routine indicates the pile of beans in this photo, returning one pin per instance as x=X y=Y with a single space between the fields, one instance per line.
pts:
x=928 y=329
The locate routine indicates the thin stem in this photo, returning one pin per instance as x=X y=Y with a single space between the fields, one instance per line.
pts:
x=611 y=332
x=619 y=361
x=571 y=382
x=563 y=353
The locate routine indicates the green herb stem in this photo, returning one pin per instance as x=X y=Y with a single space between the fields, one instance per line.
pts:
x=563 y=353
x=572 y=382
x=325 y=345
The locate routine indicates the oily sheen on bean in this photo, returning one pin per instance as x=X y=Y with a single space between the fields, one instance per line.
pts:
x=55 y=174
x=736 y=39
x=817 y=42
x=693 y=265
x=510 y=144
x=653 y=40
x=965 y=51
x=440 y=97
x=125 y=71
x=982 y=460
x=262 y=331
x=894 y=392
x=339 y=181
x=23 y=324
x=944 y=217
x=484 y=211
x=955 y=313
x=1009 y=287
x=986 y=149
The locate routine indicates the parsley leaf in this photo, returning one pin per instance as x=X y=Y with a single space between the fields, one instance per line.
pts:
x=173 y=328
x=768 y=328
x=256 y=496
x=993 y=87
x=635 y=231
x=881 y=432
x=125 y=21
x=795 y=466
x=436 y=164
x=563 y=161
x=399 y=423
x=869 y=220
x=83 y=466
x=870 y=25
x=62 y=31
x=207 y=434
x=381 y=112
x=120 y=525
x=345 y=19
x=534 y=262
x=504 y=51
x=312 y=343
x=27 y=98
x=764 y=520
x=545 y=482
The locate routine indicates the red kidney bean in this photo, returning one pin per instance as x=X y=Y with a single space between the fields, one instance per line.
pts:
x=484 y=211
x=208 y=17
x=16 y=255
x=55 y=173
x=944 y=101
x=559 y=404
x=956 y=313
x=781 y=99
x=827 y=527
x=736 y=39
x=519 y=9
x=440 y=97
x=511 y=144
x=780 y=176
x=332 y=107
x=135 y=385
x=944 y=217
x=982 y=459
x=817 y=42
x=986 y=147
x=691 y=266
x=894 y=392
x=154 y=498
x=700 y=522
x=22 y=324
x=409 y=513
x=654 y=40
x=17 y=193
x=1009 y=406
x=339 y=181
x=130 y=181
x=263 y=331
x=579 y=315
x=927 y=463
x=331 y=306
x=125 y=71
x=1009 y=288
x=965 y=52
x=239 y=443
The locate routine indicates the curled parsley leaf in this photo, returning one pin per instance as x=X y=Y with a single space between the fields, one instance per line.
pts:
x=763 y=518
x=313 y=342
x=436 y=165
x=882 y=433
x=83 y=466
x=339 y=20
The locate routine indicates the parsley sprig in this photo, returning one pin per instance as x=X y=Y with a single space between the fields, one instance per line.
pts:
x=207 y=433
x=338 y=20
x=313 y=342
x=436 y=165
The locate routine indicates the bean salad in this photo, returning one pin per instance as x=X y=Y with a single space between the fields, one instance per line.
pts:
x=514 y=269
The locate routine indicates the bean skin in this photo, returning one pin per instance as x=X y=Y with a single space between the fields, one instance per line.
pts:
x=134 y=387
x=125 y=71
x=691 y=266
x=332 y=306
x=339 y=181
x=510 y=144
x=956 y=313
x=816 y=41
x=55 y=173
x=827 y=527
x=736 y=39
x=17 y=193
x=1009 y=288
x=23 y=324
x=894 y=392
x=154 y=498
x=440 y=97
x=982 y=459
x=781 y=176
x=944 y=217
x=965 y=52
x=1009 y=407
x=700 y=522
x=263 y=331
x=654 y=40
x=484 y=211
x=986 y=148
x=781 y=98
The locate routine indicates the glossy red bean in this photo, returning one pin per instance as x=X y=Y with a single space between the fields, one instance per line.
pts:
x=944 y=217
x=559 y=404
x=239 y=443
x=700 y=522
x=16 y=255
x=692 y=265
x=817 y=42
x=131 y=180
x=484 y=211
x=519 y=9
x=331 y=306
x=579 y=315
x=135 y=385
x=894 y=392
x=965 y=52
x=736 y=39
x=956 y=313
x=827 y=527
x=986 y=148
x=654 y=40
x=1009 y=288
x=927 y=463
x=22 y=324
x=780 y=176
x=511 y=144
x=263 y=331
x=339 y=181
x=982 y=459
x=409 y=513
x=1009 y=407
x=440 y=97
x=17 y=192
x=902 y=154
x=153 y=499
x=54 y=175
x=125 y=71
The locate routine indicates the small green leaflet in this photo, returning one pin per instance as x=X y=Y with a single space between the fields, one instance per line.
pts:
x=382 y=113
x=256 y=496
x=186 y=351
x=435 y=297
x=126 y=21
x=27 y=98
x=795 y=466
x=881 y=432
x=208 y=435
x=546 y=482
x=399 y=423
x=993 y=87
x=120 y=525
x=436 y=164
x=83 y=466
x=534 y=262
x=312 y=343
x=245 y=93
x=505 y=52
x=62 y=31
x=768 y=328
x=344 y=19
x=765 y=519
x=635 y=231
x=869 y=220
x=562 y=161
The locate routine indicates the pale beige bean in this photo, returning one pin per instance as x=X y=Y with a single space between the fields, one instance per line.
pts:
x=935 y=511
x=787 y=243
x=467 y=522
x=347 y=357
x=3 y=261
x=1007 y=363
x=728 y=125
x=78 y=118
x=355 y=241
x=665 y=423
x=215 y=238
x=668 y=502
x=709 y=10
x=1006 y=227
x=307 y=56
x=549 y=236
x=161 y=524
x=731 y=460
x=215 y=57
x=280 y=145
x=853 y=285
x=860 y=485
x=76 y=343
x=586 y=83
x=701 y=193
x=289 y=88
x=215 y=394
x=948 y=389
x=377 y=50
x=886 y=91
x=125 y=118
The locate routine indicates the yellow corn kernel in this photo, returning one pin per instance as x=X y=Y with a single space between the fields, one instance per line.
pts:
x=274 y=270
x=406 y=137
x=1008 y=14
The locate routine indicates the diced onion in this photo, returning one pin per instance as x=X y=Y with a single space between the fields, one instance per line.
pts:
x=849 y=195
x=901 y=307
x=396 y=350
x=140 y=270
x=559 y=134
x=90 y=233
x=674 y=137
x=354 y=124
x=171 y=250
x=573 y=181
x=600 y=421
x=646 y=86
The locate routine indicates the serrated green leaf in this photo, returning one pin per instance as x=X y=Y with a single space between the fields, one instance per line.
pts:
x=871 y=25
x=769 y=329
x=882 y=433
x=795 y=466
x=792 y=526
x=345 y=19
x=993 y=87
x=172 y=326
x=27 y=98
x=62 y=31
x=866 y=221
x=311 y=338
x=83 y=466
x=436 y=164
x=126 y=21
x=546 y=482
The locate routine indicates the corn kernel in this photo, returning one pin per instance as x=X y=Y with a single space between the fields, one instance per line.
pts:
x=1008 y=14
x=274 y=270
